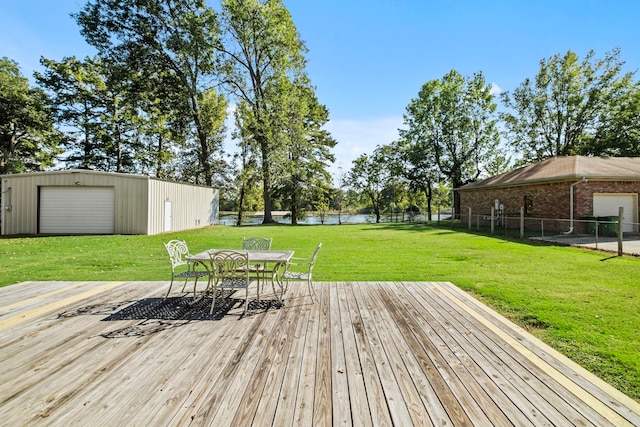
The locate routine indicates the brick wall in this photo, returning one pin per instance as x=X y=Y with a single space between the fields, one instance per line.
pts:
x=546 y=200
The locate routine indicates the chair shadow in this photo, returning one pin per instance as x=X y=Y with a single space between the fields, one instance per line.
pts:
x=159 y=314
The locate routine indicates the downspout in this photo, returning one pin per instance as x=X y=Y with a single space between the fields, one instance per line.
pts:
x=571 y=204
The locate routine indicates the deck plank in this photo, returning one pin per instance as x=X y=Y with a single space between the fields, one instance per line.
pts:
x=365 y=353
x=259 y=402
x=341 y=403
x=305 y=393
x=588 y=385
x=360 y=411
x=224 y=396
x=574 y=402
x=368 y=340
x=283 y=401
x=434 y=411
x=384 y=334
x=482 y=352
x=64 y=348
x=507 y=370
x=322 y=404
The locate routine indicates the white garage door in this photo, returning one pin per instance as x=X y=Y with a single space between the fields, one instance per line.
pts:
x=73 y=210
x=607 y=204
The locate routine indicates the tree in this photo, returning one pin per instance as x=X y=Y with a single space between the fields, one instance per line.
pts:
x=619 y=130
x=369 y=176
x=28 y=138
x=247 y=175
x=339 y=196
x=74 y=86
x=90 y=98
x=307 y=147
x=197 y=162
x=161 y=131
x=455 y=118
x=263 y=54
x=171 y=43
x=560 y=112
x=418 y=167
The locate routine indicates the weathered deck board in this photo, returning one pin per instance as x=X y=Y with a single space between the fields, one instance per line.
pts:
x=418 y=392
x=602 y=392
x=386 y=365
x=473 y=352
x=410 y=353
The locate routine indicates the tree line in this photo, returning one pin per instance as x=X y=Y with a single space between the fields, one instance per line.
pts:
x=454 y=134
x=155 y=100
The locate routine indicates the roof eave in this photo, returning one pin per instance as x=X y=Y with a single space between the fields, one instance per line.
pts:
x=551 y=180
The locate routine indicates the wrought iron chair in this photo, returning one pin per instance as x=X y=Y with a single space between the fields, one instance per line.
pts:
x=229 y=271
x=257 y=244
x=304 y=273
x=181 y=268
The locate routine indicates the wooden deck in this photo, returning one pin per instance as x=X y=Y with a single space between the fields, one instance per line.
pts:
x=418 y=353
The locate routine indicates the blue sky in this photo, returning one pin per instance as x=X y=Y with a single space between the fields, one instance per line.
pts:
x=368 y=58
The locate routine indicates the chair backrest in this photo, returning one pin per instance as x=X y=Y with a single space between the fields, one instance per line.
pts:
x=178 y=251
x=256 y=243
x=314 y=256
x=228 y=264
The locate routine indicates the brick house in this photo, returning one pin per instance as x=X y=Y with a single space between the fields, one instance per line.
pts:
x=558 y=193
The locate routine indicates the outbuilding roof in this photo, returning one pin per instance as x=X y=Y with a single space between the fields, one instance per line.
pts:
x=97 y=172
x=71 y=171
x=563 y=168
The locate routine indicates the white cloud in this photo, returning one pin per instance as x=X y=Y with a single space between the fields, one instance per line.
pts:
x=495 y=89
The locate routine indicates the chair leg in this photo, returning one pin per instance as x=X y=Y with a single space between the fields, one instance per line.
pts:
x=246 y=300
x=213 y=303
x=312 y=293
x=170 y=285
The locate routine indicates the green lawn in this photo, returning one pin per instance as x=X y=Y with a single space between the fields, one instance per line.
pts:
x=584 y=303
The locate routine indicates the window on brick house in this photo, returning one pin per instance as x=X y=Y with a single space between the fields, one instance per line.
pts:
x=528 y=205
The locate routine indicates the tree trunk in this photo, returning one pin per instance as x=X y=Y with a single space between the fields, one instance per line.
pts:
x=429 y=195
x=294 y=207
x=456 y=200
x=240 y=208
x=158 y=158
x=266 y=181
x=118 y=148
x=456 y=182
x=203 y=156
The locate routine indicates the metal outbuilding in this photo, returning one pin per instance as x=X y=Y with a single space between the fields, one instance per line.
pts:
x=92 y=202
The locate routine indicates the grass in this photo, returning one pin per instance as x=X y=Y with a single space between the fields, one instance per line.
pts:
x=583 y=303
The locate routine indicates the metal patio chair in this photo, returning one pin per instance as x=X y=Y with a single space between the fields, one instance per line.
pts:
x=257 y=243
x=181 y=268
x=302 y=271
x=229 y=271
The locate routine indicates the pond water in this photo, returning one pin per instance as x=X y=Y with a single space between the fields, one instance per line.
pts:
x=314 y=219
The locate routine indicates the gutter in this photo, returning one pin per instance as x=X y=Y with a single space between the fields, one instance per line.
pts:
x=571 y=204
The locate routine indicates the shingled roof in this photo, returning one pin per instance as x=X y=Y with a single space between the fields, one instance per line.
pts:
x=563 y=168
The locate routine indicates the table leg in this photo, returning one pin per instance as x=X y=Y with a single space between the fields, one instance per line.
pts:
x=206 y=267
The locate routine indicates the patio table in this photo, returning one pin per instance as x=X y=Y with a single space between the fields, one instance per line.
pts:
x=277 y=261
